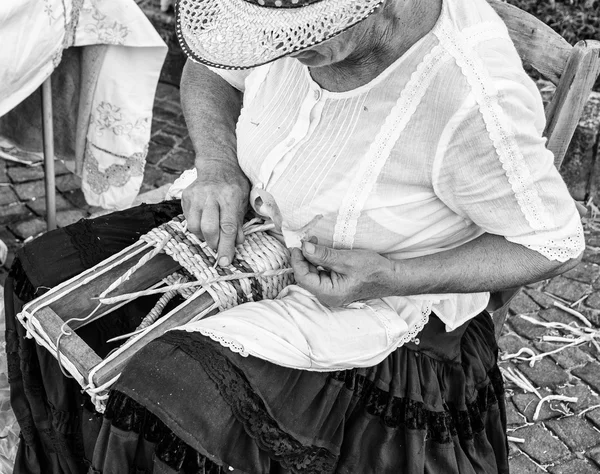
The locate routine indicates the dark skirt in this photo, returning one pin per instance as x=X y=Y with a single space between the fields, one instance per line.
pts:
x=186 y=404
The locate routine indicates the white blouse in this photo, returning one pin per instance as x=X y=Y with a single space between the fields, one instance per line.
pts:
x=443 y=146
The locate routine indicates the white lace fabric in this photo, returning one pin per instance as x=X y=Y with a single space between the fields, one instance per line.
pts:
x=442 y=147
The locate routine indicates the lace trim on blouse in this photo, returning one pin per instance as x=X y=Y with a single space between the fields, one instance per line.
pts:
x=226 y=342
x=379 y=151
x=504 y=142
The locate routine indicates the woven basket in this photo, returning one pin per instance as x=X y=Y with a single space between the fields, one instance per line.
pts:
x=167 y=260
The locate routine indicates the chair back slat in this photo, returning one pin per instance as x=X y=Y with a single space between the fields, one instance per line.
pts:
x=565 y=109
x=573 y=70
x=538 y=45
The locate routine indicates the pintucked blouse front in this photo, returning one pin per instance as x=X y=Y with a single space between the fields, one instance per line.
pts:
x=445 y=145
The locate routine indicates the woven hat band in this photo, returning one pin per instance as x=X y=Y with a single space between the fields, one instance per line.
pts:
x=282 y=3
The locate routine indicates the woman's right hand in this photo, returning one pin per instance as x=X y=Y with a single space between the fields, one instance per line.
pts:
x=215 y=204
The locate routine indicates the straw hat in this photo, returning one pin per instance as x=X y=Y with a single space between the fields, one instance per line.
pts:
x=239 y=34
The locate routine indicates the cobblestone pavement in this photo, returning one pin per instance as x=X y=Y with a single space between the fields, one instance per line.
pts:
x=565 y=437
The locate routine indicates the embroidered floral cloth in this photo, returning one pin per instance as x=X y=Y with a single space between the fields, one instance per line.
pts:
x=121 y=59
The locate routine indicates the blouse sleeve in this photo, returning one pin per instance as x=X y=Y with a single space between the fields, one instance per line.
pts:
x=493 y=169
x=235 y=78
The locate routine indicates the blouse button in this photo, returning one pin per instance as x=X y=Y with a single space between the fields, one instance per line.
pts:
x=317 y=94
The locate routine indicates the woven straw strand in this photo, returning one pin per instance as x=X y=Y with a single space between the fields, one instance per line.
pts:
x=193 y=284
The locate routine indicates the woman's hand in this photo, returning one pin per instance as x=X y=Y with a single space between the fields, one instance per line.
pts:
x=340 y=277
x=215 y=204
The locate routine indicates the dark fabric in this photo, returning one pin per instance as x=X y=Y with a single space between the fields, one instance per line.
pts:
x=58 y=424
x=187 y=405
x=437 y=407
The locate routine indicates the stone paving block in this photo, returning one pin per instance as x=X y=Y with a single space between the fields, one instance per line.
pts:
x=21 y=174
x=522 y=464
x=178 y=162
x=523 y=304
x=593 y=300
x=166 y=178
x=164 y=112
x=11 y=241
x=3 y=172
x=12 y=213
x=526 y=329
x=591 y=255
x=157 y=125
x=511 y=343
x=589 y=373
x=156 y=153
x=568 y=289
x=540 y=444
x=590 y=350
x=541 y=298
x=179 y=130
x=68 y=182
x=151 y=176
x=526 y=403
x=594 y=416
x=557 y=315
x=187 y=144
x=38 y=205
x=30 y=190
x=513 y=450
x=575 y=432
x=513 y=417
x=77 y=199
x=7 y=196
x=164 y=139
x=28 y=228
x=594 y=454
x=592 y=315
x=65 y=218
x=545 y=373
x=172 y=106
x=574 y=466
x=585 y=272
x=60 y=168
x=167 y=92
x=585 y=396
x=568 y=358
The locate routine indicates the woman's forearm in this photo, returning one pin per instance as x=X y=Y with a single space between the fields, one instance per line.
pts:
x=211 y=108
x=488 y=263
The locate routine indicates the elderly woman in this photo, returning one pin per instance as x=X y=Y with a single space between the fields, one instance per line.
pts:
x=397 y=144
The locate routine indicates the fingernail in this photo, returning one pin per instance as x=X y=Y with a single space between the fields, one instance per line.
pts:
x=309 y=247
x=223 y=261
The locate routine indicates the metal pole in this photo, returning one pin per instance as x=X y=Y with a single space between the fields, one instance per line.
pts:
x=48 y=138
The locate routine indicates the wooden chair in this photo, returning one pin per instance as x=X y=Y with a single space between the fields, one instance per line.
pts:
x=573 y=70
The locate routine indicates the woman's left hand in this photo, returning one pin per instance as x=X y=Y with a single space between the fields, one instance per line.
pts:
x=340 y=277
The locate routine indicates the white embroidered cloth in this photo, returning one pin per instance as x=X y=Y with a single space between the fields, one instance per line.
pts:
x=34 y=34
x=441 y=147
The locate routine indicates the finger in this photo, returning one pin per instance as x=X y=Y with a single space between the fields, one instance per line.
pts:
x=193 y=215
x=228 y=233
x=322 y=256
x=239 y=240
x=304 y=272
x=209 y=223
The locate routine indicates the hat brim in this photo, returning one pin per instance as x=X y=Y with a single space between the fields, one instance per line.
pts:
x=235 y=34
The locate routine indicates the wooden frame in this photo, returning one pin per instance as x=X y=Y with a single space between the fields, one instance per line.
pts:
x=44 y=316
x=573 y=69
